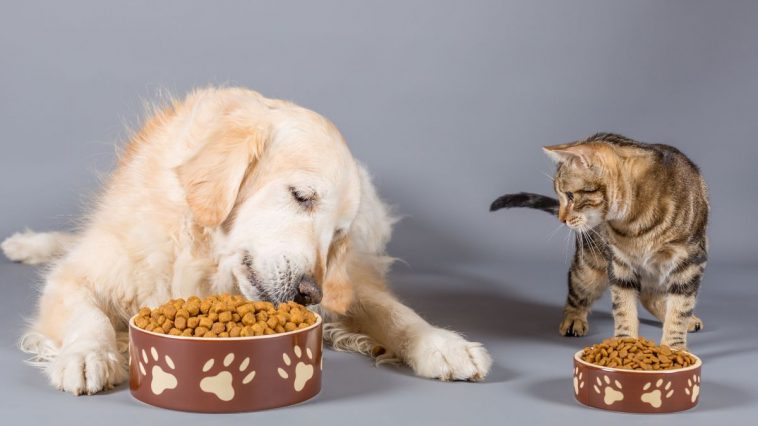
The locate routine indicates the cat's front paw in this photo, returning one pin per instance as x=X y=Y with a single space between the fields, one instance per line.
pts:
x=574 y=326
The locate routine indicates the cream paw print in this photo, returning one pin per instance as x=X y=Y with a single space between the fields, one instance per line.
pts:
x=161 y=380
x=693 y=387
x=302 y=371
x=578 y=380
x=659 y=393
x=221 y=384
x=611 y=390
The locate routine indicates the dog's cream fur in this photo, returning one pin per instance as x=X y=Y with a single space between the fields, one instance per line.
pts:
x=202 y=202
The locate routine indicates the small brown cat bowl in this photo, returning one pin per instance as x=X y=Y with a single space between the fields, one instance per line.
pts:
x=636 y=391
x=225 y=375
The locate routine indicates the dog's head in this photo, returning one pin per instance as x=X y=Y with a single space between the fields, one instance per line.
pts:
x=277 y=187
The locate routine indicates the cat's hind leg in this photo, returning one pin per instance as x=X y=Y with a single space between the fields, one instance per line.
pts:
x=682 y=286
x=587 y=279
x=655 y=302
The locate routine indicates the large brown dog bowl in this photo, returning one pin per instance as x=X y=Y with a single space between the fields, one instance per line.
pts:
x=636 y=391
x=225 y=375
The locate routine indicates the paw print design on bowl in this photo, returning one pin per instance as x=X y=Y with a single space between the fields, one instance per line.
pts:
x=578 y=380
x=693 y=387
x=611 y=390
x=658 y=394
x=221 y=384
x=160 y=379
x=303 y=371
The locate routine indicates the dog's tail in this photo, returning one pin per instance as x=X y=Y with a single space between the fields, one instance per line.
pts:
x=525 y=199
x=34 y=248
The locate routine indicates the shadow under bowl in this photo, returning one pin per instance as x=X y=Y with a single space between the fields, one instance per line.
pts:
x=225 y=375
x=636 y=391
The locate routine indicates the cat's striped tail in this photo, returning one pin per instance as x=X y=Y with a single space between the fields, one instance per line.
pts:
x=526 y=199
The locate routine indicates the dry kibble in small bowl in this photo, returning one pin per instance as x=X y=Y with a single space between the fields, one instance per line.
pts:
x=628 y=353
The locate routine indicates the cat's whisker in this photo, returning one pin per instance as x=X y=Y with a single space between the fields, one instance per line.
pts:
x=588 y=238
x=582 y=242
x=602 y=240
x=552 y=178
x=566 y=249
x=555 y=231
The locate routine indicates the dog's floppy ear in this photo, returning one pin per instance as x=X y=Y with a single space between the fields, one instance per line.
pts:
x=337 y=289
x=212 y=177
x=359 y=256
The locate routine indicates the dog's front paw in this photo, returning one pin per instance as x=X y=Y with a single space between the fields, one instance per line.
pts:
x=445 y=355
x=87 y=371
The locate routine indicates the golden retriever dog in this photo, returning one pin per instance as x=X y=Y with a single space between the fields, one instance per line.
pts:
x=228 y=191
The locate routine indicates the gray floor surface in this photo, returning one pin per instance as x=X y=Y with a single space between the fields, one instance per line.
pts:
x=513 y=309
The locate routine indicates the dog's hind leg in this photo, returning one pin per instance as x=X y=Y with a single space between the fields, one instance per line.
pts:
x=33 y=248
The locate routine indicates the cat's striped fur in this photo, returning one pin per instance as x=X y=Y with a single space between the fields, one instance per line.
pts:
x=640 y=212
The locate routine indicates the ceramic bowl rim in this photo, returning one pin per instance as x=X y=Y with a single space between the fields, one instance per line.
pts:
x=698 y=363
x=133 y=326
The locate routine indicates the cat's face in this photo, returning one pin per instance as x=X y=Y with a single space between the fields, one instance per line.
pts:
x=580 y=187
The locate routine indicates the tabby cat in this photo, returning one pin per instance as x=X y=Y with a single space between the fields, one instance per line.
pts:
x=640 y=213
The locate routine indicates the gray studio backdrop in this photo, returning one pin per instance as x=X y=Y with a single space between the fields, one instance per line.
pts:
x=447 y=103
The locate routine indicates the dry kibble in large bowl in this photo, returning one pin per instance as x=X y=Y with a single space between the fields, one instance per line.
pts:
x=222 y=316
x=636 y=354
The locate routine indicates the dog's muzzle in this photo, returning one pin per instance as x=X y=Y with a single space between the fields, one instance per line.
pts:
x=308 y=292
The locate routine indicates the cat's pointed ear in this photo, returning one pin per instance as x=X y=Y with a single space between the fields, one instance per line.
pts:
x=581 y=153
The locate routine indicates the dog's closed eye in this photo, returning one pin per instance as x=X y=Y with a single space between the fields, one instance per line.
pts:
x=306 y=198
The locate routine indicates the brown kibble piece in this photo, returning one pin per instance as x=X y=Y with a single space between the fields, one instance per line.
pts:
x=243 y=309
x=193 y=308
x=225 y=316
x=141 y=322
x=257 y=329
x=248 y=319
x=180 y=323
x=170 y=312
x=272 y=322
x=206 y=322
x=218 y=328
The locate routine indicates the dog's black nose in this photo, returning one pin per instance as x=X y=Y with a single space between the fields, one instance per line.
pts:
x=308 y=292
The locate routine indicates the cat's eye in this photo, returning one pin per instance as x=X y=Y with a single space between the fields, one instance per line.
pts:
x=570 y=196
